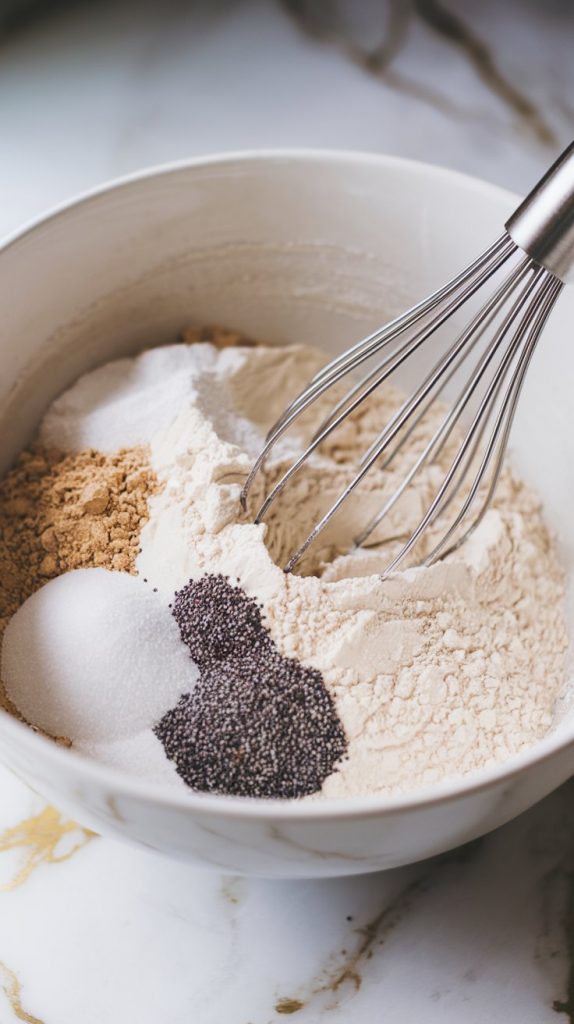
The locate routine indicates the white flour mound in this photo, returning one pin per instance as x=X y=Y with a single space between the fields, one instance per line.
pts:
x=435 y=672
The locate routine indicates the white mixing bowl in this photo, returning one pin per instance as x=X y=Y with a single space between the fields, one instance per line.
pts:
x=292 y=246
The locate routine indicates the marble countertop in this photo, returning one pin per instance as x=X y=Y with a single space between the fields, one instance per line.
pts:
x=98 y=932
x=94 y=932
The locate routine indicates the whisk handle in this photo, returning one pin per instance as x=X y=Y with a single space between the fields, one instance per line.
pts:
x=543 y=225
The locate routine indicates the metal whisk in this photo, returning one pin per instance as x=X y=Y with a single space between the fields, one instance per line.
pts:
x=539 y=241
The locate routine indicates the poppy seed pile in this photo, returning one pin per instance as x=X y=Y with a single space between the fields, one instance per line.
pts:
x=256 y=724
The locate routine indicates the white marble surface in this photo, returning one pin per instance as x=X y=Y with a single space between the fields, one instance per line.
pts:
x=114 y=934
x=101 y=933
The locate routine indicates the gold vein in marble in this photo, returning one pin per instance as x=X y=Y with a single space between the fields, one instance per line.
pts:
x=232 y=888
x=112 y=805
x=39 y=838
x=288 y=1006
x=346 y=969
x=10 y=985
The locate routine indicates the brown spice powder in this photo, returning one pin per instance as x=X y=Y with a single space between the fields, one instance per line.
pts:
x=221 y=337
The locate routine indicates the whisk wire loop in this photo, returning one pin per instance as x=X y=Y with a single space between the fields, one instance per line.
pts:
x=471 y=334
x=406 y=320
x=482 y=269
x=372 y=383
x=399 y=420
x=451 y=419
x=539 y=237
x=436 y=505
x=500 y=433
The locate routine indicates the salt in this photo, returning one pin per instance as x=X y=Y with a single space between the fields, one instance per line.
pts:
x=95 y=656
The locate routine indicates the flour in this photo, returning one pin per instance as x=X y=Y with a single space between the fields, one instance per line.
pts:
x=434 y=672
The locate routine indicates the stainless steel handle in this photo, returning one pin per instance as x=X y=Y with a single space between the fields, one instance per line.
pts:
x=543 y=225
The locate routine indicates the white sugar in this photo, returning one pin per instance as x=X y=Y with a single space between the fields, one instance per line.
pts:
x=95 y=656
x=141 y=755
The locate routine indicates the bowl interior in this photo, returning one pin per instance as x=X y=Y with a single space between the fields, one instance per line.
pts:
x=317 y=248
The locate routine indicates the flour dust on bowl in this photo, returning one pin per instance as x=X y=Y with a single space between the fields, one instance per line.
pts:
x=391 y=719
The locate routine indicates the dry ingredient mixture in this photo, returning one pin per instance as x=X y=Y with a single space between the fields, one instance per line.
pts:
x=329 y=683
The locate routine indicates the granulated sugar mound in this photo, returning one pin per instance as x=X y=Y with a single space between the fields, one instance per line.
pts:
x=257 y=723
x=95 y=656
